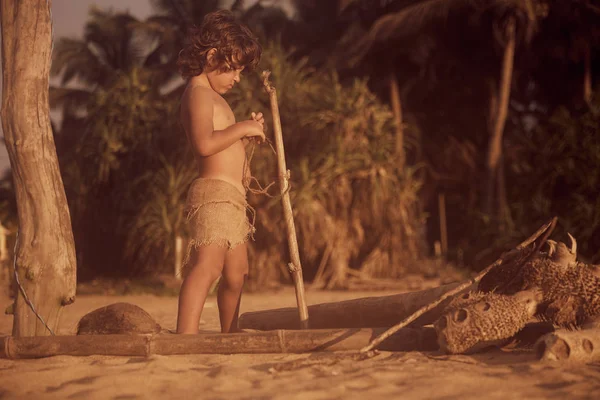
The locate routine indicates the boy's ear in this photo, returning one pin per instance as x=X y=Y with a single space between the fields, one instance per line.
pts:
x=211 y=53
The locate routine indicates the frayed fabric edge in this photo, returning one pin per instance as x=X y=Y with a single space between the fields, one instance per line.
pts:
x=195 y=244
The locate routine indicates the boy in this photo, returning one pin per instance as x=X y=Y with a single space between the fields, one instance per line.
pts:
x=211 y=61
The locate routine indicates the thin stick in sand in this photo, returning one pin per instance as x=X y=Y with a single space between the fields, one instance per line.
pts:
x=295 y=267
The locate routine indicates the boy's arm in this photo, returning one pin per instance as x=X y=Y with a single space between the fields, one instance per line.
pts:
x=205 y=139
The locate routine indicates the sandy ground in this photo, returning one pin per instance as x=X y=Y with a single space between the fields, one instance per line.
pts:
x=495 y=374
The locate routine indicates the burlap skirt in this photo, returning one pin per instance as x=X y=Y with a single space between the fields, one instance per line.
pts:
x=216 y=214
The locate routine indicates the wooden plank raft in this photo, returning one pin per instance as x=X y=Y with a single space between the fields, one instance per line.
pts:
x=277 y=341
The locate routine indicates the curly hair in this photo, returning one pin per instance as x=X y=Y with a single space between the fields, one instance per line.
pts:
x=236 y=46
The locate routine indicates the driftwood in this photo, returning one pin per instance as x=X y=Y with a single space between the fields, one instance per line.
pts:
x=279 y=341
x=577 y=346
x=294 y=267
x=367 y=312
x=439 y=304
x=525 y=250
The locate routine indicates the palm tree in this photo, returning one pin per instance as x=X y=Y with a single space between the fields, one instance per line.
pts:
x=355 y=212
x=109 y=47
x=167 y=28
x=114 y=132
x=580 y=19
x=160 y=216
x=512 y=19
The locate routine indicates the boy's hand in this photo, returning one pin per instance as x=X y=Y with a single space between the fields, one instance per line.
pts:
x=254 y=130
x=259 y=117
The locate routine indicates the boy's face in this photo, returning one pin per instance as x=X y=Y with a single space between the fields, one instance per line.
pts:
x=223 y=81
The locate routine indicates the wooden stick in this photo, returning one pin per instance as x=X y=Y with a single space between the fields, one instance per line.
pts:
x=284 y=174
x=280 y=341
x=544 y=232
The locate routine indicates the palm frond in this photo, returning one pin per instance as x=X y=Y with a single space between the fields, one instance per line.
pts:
x=404 y=22
x=69 y=98
x=186 y=12
x=75 y=59
x=113 y=38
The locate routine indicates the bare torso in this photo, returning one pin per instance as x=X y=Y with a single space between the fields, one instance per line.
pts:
x=228 y=164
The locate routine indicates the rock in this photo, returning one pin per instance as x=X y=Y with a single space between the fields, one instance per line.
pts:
x=118 y=318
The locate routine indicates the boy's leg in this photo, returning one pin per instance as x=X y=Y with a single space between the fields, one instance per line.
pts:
x=206 y=265
x=229 y=294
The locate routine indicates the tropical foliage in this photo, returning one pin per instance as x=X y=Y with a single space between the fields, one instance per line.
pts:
x=467 y=79
x=119 y=147
x=355 y=211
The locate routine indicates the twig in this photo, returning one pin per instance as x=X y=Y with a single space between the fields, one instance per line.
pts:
x=544 y=231
x=319 y=275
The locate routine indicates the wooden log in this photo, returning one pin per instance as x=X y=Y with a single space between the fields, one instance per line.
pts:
x=80 y=345
x=576 y=346
x=279 y=341
x=367 y=312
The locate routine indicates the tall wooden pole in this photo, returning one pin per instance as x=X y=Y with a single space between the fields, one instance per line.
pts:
x=295 y=267
x=45 y=266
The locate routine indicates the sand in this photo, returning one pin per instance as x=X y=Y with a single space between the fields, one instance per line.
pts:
x=497 y=374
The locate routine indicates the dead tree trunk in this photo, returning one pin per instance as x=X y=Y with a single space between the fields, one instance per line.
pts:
x=45 y=252
x=495 y=143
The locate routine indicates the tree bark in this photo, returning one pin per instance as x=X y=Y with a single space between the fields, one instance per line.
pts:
x=397 y=110
x=45 y=251
x=495 y=143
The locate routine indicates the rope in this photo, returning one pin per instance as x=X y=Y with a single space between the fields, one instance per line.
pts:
x=248 y=180
x=22 y=289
